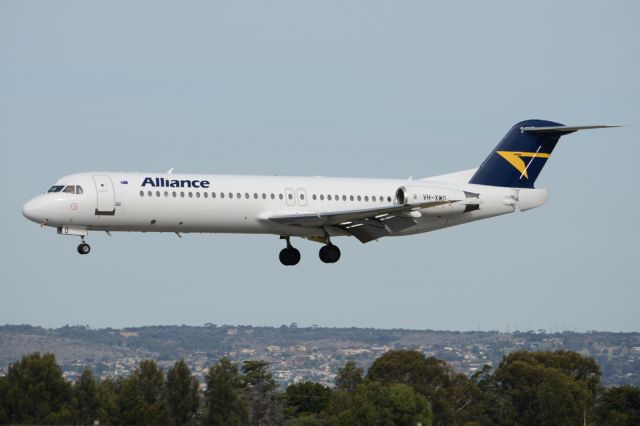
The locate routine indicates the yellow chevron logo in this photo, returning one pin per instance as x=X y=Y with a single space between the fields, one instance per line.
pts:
x=515 y=158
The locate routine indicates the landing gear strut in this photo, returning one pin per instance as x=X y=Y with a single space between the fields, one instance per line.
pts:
x=84 y=248
x=329 y=253
x=289 y=255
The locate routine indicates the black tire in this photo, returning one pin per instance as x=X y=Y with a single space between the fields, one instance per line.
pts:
x=289 y=256
x=295 y=256
x=329 y=253
x=84 y=248
x=284 y=258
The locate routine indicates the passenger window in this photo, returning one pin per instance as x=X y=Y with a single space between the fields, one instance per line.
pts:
x=174 y=194
x=197 y=195
x=190 y=194
x=373 y=198
x=141 y=193
x=351 y=197
x=329 y=197
x=150 y=194
x=302 y=196
x=79 y=190
x=166 y=194
x=264 y=196
x=71 y=189
x=231 y=195
x=182 y=194
x=344 y=198
x=213 y=195
x=290 y=196
x=255 y=195
x=314 y=197
x=337 y=197
x=238 y=195
x=359 y=198
x=322 y=197
x=281 y=197
x=366 y=198
x=273 y=196
x=222 y=195
x=246 y=195
x=158 y=194
x=205 y=195
x=389 y=199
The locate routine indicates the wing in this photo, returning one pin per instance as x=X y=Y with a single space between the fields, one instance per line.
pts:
x=366 y=224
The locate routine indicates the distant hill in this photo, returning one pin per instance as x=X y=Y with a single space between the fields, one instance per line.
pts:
x=309 y=353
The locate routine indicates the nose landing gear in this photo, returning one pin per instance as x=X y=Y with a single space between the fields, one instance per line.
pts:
x=84 y=248
x=289 y=255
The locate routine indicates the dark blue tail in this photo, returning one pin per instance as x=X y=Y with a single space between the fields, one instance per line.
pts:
x=520 y=156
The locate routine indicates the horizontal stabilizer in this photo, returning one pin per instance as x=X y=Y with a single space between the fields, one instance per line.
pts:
x=564 y=129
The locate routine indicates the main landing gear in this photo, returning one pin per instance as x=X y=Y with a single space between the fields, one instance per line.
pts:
x=329 y=253
x=84 y=248
x=290 y=255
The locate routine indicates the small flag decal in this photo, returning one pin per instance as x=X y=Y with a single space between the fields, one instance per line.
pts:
x=124 y=182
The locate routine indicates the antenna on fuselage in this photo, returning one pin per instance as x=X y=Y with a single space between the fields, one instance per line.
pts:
x=170 y=171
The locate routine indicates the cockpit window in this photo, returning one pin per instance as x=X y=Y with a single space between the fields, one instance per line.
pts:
x=70 y=189
x=79 y=189
x=56 y=188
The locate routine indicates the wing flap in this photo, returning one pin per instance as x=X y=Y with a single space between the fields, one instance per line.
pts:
x=321 y=219
x=364 y=224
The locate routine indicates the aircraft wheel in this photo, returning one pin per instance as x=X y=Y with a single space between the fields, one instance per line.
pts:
x=84 y=248
x=289 y=256
x=330 y=253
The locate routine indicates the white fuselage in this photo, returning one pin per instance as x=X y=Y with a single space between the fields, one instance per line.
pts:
x=183 y=203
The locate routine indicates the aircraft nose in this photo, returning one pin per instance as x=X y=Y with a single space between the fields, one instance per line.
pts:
x=34 y=210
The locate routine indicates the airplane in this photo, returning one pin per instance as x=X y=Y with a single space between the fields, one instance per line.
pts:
x=315 y=208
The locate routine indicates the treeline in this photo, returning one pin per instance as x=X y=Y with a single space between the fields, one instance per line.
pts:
x=402 y=387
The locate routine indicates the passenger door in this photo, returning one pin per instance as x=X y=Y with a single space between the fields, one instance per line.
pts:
x=106 y=204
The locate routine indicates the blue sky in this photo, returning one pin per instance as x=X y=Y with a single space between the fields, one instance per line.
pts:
x=375 y=89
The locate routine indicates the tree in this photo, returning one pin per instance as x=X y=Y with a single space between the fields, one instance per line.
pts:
x=539 y=386
x=307 y=398
x=574 y=365
x=256 y=374
x=349 y=377
x=451 y=394
x=376 y=404
x=33 y=390
x=85 y=394
x=259 y=392
x=181 y=394
x=140 y=397
x=619 y=406
x=223 y=398
x=536 y=395
x=107 y=401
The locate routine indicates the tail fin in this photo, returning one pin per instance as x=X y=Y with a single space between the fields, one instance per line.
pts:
x=520 y=156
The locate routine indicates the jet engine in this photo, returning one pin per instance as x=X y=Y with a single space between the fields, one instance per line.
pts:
x=415 y=195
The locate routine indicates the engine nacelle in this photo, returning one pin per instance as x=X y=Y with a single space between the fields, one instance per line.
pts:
x=415 y=194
